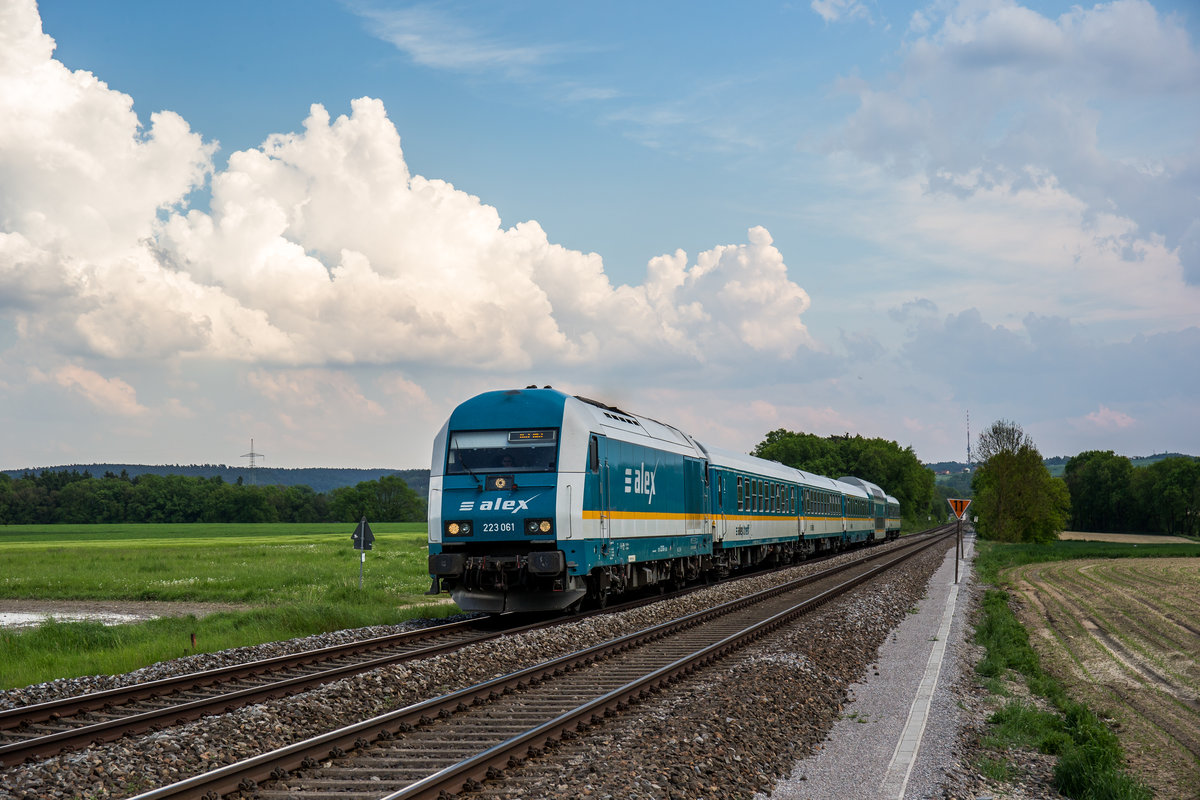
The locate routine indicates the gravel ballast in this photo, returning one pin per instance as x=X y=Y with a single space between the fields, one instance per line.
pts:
x=728 y=732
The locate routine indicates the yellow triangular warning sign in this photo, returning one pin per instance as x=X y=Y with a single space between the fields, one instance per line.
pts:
x=959 y=506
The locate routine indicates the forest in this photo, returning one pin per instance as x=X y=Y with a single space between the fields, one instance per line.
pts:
x=1110 y=494
x=78 y=497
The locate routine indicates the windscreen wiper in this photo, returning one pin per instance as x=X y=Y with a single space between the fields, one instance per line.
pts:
x=463 y=464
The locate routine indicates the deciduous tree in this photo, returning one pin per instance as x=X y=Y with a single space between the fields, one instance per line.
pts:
x=1016 y=498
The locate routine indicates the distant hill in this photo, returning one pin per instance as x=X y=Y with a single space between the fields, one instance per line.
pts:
x=947 y=467
x=1145 y=461
x=945 y=470
x=320 y=479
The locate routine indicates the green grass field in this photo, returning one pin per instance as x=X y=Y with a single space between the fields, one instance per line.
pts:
x=294 y=580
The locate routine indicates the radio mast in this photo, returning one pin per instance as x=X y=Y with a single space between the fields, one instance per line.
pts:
x=968 y=439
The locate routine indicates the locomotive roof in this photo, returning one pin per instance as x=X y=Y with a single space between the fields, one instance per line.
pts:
x=630 y=427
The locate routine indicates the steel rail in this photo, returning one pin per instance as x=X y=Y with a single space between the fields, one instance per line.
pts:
x=16 y=720
x=468 y=774
x=245 y=775
x=23 y=715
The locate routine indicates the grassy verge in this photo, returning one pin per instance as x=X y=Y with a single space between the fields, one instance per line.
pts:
x=292 y=580
x=1090 y=758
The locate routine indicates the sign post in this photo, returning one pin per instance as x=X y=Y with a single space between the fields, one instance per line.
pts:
x=959 y=506
x=362 y=538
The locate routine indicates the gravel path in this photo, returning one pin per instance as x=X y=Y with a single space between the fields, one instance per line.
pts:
x=856 y=761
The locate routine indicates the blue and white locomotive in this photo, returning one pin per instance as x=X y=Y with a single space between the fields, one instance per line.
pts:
x=539 y=500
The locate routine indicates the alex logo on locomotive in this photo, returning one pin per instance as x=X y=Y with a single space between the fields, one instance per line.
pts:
x=640 y=481
x=512 y=506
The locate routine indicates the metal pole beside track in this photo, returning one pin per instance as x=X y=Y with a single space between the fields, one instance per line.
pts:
x=957 y=548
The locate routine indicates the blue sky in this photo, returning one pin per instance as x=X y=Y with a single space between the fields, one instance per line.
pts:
x=322 y=225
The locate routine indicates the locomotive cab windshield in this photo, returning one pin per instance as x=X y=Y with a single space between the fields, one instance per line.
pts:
x=506 y=450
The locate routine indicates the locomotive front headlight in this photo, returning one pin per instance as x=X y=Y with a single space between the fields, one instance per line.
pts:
x=544 y=526
x=452 y=529
x=532 y=526
x=458 y=528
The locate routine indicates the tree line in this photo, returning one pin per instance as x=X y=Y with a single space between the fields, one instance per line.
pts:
x=1109 y=494
x=893 y=468
x=79 y=498
x=1017 y=500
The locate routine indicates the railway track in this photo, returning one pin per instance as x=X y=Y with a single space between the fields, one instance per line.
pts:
x=458 y=740
x=71 y=723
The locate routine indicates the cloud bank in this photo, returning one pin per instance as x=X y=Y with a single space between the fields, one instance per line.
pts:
x=321 y=248
x=992 y=98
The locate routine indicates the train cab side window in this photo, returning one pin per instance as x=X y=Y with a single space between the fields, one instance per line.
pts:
x=593 y=455
x=721 y=492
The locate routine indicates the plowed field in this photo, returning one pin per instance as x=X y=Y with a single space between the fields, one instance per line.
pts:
x=1124 y=636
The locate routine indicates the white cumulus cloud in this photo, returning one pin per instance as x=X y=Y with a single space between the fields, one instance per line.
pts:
x=320 y=248
x=111 y=395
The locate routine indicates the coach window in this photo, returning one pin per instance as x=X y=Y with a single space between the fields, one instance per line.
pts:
x=721 y=492
x=739 y=492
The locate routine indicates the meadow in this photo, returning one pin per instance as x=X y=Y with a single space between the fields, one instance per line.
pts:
x=279 y=580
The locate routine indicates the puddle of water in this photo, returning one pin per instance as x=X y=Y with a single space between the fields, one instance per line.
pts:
x=21 y=619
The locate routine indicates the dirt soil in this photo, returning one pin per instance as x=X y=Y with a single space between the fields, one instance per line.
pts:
x=1123 y=635
x=1122 y=538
